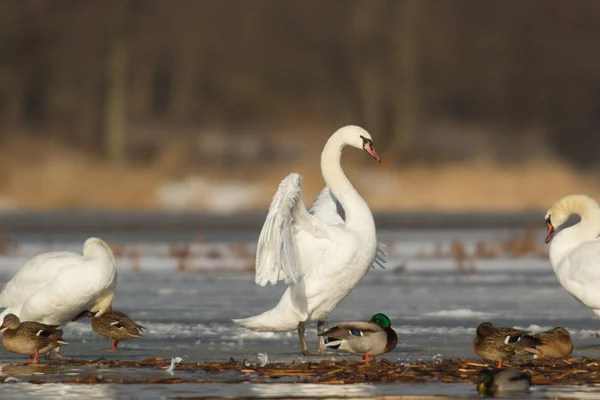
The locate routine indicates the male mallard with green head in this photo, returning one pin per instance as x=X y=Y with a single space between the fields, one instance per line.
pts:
x=116 y=326
x=491 y=343
x=29 y=338
x=502 y=381
x=364 y=338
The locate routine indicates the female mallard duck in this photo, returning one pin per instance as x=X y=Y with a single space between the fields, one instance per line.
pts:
x=555 y=343
x=363 y=338
x=491 y=343
x=30 y=338
x=116 y=326
x=502 y=381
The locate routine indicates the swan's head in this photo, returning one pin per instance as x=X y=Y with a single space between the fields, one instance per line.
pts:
x=11 y=321
x=97 y=248
x=356 y=136
x=560 y=211
x=84 y=313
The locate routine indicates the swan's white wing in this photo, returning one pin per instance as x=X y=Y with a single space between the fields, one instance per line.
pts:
x=34 y=275
x=328 y=209
x=73 y=289
x=277 y=255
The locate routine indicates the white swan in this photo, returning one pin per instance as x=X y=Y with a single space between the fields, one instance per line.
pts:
x=322 y=260
x=58 y=287
x=575 y=251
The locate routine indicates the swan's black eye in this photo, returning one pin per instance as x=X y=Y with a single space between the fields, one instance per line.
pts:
x=365 y=140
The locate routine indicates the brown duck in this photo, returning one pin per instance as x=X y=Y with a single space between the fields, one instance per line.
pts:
x=116 y=326
x=491 y=343
x=30 y=338
x=555 y=343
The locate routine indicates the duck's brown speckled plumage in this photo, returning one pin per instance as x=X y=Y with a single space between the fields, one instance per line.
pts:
x=555 y=343
x=116 y=326
x=30 y=338
x=489 y=343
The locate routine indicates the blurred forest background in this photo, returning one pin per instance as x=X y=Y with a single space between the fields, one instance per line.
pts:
x=208 y=104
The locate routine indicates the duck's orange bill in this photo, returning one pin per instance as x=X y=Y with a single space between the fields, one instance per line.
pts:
x=550 y=232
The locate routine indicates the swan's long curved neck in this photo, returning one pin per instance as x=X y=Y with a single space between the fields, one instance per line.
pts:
x=587 y=229
x=358 y=214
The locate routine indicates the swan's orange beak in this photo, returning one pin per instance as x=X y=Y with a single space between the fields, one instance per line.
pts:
x=368 y=146
x=550 y=232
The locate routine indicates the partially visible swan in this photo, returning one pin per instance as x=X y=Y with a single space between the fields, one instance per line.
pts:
x=575 y=251
x=322 y=256
x=57 y=287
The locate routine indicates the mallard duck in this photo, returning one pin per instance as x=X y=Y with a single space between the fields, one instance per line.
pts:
x=30 y=338
x=502 y=381
x=555 y=343
x=116 y=326
x=370 y=338
x=492 y=343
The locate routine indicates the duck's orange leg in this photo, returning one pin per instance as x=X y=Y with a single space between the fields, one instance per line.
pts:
x=30 y=359
x=366 y=357
x=35 y=359
x=114 y=344
x=500 y=363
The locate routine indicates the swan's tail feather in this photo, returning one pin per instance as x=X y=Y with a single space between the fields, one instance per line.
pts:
x=270 y=321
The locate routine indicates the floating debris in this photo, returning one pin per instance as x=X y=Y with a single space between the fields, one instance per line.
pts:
x=174 y=362
x=263 y=359
x=544 y=372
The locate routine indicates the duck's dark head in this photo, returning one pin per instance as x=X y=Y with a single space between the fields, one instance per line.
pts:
x=484 y=381
x=382 y=320
x=485 y=328
x=11 y=321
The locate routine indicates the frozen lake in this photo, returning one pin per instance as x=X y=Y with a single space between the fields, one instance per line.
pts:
x=433 y=308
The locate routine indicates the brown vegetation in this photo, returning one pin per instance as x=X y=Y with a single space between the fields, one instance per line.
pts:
x=567 y=372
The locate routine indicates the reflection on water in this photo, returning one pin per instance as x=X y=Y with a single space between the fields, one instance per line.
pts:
x=29 y=370
x=312 y=390
x=62 y=391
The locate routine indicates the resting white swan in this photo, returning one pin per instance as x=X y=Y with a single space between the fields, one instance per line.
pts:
x=57 y=287
x=322 y=260
x=575 y=251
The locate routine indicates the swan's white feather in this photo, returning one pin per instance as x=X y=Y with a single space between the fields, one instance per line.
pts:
x=287 y=224
x=329 y=210
x=52 y=288
x=579 y=273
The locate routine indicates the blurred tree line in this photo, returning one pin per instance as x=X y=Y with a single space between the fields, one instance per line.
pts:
x=90 y=71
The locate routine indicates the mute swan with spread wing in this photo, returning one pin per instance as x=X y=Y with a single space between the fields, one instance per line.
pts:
x=322 y=257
